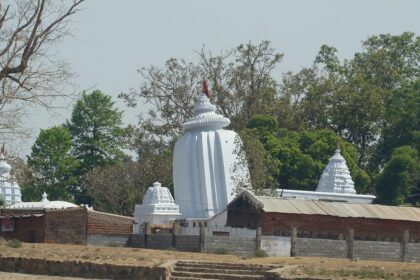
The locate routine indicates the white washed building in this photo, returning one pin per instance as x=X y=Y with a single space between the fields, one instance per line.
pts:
x=206 y=166
x=9 y=188
x=158 y=207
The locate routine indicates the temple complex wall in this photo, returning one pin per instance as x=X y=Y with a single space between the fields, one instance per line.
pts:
x=104 y=223
x=66 y=226
x=322 y=226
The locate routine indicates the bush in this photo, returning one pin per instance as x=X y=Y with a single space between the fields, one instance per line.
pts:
x=14 y=243
x=221 y=251
x=260 y=254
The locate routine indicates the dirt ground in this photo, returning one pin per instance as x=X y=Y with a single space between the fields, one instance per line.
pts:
x=338 y=268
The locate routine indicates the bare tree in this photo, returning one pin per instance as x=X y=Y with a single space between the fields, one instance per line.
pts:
x=29 y=71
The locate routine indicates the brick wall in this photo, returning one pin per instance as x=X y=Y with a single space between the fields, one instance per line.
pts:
x=314 y=247
x=27 y=229
x=321 y=226
x=104 y=223
x=66 y=226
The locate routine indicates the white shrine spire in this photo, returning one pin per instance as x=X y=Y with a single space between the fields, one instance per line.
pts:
x=205 y=116
x=336 y=176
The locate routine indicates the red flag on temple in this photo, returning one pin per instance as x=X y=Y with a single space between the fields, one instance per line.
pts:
x=206 y=88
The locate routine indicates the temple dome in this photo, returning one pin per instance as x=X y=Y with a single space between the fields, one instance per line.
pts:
x=158 y=195
x=158 y=207
x=336 y=176
x=205 y=116
x=43 y=204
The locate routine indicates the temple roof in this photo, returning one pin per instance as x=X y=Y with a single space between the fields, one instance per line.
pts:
x=43 y=204
x=158 y=200
x=205 y=116
x=336 y=176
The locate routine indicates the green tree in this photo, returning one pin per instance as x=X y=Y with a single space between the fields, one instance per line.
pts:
x=402 y=122
x=240 y=80
x=97 y=133
x=298 y=157
x=399 y=181
x=327 y=94
x=53 y=167
x=115 y=188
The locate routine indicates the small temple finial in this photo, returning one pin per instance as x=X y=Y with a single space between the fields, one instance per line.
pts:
x=44 y=196
x=206 y=88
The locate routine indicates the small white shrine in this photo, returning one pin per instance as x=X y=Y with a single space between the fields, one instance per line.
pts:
x=335 y=184
x=158 y=207
x=206 y=171
x=9 y=188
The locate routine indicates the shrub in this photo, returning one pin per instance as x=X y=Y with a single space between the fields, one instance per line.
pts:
x=260 y=253
x=14 y=243
x=221 y=251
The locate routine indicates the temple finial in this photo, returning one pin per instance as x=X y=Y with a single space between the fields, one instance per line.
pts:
x=206 y=88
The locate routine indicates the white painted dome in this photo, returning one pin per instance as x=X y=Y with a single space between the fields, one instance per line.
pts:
x=43 y=204
x=158 y=199
x=9 y=188
x=336 y=176
x=157 y=195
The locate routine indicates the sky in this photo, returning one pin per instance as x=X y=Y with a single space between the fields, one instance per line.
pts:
x=112 y=39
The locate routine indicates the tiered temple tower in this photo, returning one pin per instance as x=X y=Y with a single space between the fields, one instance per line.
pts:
x=9 y=188
x=206 y=167
x=336 y=176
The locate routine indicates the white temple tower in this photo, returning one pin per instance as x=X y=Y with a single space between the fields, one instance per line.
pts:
x=9 y=189
x=158 y=207
x=336 y=176
x=206 y=172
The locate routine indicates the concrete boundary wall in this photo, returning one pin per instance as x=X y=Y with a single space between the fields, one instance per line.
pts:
x=378 y=250
x=276 y=245
x=245 y=242
x=313 y=247
x=119 y=240
x=236 y=245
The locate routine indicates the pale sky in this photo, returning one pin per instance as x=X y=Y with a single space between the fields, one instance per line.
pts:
x=112 y=39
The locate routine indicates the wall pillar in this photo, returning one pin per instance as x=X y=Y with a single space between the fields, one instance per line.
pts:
x=258 y=239
x=175 y=227
x=293 y=248
x=405 y=246
x=350 y=244
x=147 y=231
x=202 y=239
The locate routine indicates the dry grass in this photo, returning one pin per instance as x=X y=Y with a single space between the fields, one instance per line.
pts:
x=333 y=268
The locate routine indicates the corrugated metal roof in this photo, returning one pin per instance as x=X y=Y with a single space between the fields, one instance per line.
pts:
x=339 y=209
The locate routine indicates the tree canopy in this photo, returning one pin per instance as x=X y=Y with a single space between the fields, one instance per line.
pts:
x=53 y=167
